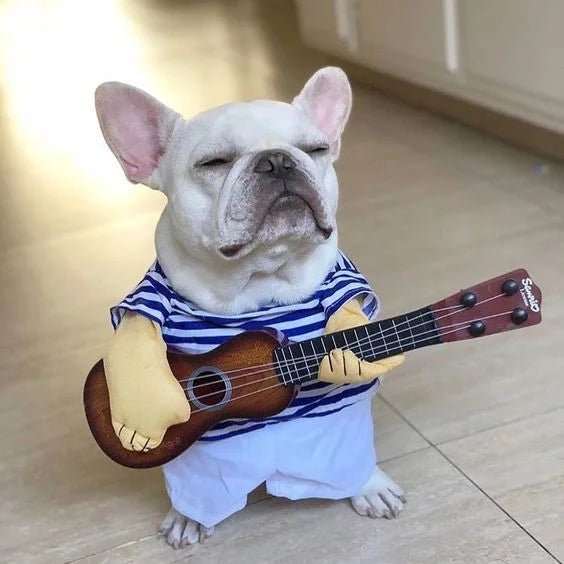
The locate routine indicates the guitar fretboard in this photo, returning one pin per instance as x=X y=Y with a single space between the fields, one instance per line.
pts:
x=299 y=362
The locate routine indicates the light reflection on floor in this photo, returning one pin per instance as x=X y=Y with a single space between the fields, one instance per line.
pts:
x=57 y=173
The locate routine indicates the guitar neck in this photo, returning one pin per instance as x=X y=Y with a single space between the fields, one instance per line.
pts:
x=299 y=362
x=503 y=303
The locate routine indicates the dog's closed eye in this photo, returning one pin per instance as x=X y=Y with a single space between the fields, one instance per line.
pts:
x=215 y=161
x=316 y=150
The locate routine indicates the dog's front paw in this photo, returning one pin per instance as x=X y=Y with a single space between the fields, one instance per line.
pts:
x=380 y=497
x=181 y=531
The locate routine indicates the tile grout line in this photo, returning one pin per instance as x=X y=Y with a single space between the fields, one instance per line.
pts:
x=500 y=425
x=128 y=543
x=465 y=475
x=403 y=455
x=500 y=507
x=144 y=538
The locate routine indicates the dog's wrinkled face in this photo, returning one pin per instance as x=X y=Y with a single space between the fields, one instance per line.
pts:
x=260 y=174
x=240 y=178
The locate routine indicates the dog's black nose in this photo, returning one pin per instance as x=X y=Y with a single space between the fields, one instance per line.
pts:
x=277 y=163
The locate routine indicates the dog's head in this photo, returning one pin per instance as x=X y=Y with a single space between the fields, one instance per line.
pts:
x=241 y=179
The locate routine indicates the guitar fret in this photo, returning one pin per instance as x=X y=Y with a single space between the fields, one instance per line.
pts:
x=384 y=341
x=313 y=352
x=410 y=331
x=302 y=365
x=398 y=337
x=306 y=370
x=369 y=341
x=332 y=337
x=291 y=366
x=303 y=352
x=357 y=340
x=282 y=372
x=423 y=322
x=345 y=339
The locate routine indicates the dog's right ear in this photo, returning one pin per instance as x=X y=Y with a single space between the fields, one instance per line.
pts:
x=136 y=127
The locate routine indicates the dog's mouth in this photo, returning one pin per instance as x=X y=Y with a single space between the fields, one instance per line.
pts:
x=287 y=197
x=236 y=251
x=231 y=251
x=286 y=203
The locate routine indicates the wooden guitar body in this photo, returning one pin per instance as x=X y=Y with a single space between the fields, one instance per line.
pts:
x=220 y=385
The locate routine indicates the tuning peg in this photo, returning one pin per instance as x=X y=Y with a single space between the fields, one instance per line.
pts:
x=509 y=287
x=468 y=299
x=477 y=328
x=519 y=316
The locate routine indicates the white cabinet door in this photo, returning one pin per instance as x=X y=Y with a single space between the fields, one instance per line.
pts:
x=513 y=55
x=507 y=55
x=318 y=25
x=408 y=38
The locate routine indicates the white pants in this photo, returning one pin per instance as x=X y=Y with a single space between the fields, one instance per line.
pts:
x=329 y=457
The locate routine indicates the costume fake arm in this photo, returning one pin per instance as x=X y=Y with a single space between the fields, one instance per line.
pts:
x=343 y=366
x=145 y=397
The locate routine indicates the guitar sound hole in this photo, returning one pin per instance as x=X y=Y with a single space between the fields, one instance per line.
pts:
x=209 y=388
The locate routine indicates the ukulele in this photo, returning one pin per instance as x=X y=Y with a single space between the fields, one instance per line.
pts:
x=253 y=375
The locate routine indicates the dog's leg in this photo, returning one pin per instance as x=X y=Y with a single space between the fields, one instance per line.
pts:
x=181 y=531
x=380 y=497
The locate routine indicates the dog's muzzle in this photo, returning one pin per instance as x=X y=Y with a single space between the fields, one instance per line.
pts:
x=275 y=182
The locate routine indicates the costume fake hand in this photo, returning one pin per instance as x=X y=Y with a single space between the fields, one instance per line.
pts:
x=343 y=366
x=145 y=397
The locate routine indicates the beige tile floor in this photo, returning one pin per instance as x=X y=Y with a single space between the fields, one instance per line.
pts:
x=474 y=432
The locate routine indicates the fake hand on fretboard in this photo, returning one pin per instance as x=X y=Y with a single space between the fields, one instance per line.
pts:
x=344 y=367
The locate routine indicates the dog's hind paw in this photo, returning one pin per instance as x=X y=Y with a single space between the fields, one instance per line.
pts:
x=181 y=531
x=380 y=497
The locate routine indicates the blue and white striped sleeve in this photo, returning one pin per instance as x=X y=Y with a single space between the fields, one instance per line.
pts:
x=345 y=284
x=151 y=298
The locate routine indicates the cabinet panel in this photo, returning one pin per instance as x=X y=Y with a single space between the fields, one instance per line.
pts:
x=318 y=25
x=403 y=30
x=516 y=46
x=507 y=55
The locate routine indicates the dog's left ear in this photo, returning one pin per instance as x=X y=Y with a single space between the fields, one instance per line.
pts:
x=326 y=99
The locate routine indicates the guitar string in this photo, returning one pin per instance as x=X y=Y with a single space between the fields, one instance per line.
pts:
x=400 y=326
x=268 y=366
x=406 y=322
x=278 y=384
x=384 y=346
x=360 y=342
x=273 y=386
x=308 y=366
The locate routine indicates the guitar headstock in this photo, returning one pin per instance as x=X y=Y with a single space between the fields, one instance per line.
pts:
x=507 y=302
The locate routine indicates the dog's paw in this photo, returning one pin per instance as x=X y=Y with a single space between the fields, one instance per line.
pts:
x=181 y=531
x=380 y=497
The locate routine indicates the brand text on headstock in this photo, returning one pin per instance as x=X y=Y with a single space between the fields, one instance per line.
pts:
x=528 y=296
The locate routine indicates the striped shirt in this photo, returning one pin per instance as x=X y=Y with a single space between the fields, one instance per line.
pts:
x=191 y=330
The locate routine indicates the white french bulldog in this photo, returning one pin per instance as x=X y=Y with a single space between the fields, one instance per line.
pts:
x=250 y=219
